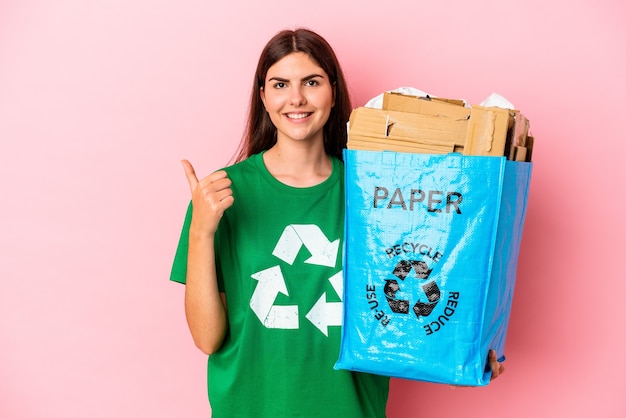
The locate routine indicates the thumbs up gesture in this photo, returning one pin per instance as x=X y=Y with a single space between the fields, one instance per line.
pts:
x=210 y=197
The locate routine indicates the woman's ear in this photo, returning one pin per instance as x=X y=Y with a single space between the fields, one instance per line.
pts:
x=262 y=95
x=334 y=93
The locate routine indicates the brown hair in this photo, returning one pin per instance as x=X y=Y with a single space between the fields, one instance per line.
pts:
x=260 y=132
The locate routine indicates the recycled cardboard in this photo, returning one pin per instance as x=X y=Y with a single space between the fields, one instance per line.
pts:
x=433 y=134
x=438 y=126
x=487 y=131
x=425 y=105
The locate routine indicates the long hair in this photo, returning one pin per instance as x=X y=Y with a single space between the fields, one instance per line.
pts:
x=260 y=132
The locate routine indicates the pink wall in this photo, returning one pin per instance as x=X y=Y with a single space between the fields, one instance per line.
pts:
x=100 y=100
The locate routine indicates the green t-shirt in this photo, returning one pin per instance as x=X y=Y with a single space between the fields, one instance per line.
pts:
x=278 y=256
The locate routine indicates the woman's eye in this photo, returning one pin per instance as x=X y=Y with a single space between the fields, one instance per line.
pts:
x=312 y=83
x=279 y=85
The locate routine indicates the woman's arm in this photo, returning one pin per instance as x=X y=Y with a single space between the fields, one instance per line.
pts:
x=205 y=306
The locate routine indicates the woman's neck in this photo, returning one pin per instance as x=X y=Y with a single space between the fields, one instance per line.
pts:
x=298 y=166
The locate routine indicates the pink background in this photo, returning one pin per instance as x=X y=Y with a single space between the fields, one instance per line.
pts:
x=99 y=101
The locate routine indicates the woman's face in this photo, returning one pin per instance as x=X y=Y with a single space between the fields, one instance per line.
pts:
x=298 y=96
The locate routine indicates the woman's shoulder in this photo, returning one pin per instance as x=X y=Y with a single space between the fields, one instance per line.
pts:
x=244 y=166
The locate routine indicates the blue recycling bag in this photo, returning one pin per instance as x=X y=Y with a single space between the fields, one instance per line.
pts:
x=430 y=260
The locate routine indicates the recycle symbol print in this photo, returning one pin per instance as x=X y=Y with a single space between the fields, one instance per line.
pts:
x=402 y=270
x=271 y=281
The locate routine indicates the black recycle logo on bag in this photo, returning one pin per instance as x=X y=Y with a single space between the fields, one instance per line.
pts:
x=421 y=272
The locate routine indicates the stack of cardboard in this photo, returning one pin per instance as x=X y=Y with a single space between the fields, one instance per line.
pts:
x=438 y=126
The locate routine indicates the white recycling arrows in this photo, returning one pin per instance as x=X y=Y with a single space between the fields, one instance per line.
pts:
x=323 y=252
x=271 y=281
x=324 y=314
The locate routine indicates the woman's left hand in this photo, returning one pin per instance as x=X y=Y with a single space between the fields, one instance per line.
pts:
x=496 y=367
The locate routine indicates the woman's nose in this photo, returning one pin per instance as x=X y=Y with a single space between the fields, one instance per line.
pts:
x=297 y=98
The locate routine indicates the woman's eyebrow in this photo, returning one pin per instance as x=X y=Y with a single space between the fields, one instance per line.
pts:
x=284 y=80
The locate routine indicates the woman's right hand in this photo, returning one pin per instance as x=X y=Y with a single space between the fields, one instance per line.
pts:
x=210 y=197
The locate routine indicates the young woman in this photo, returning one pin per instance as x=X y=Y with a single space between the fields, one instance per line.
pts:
x=260 y=250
